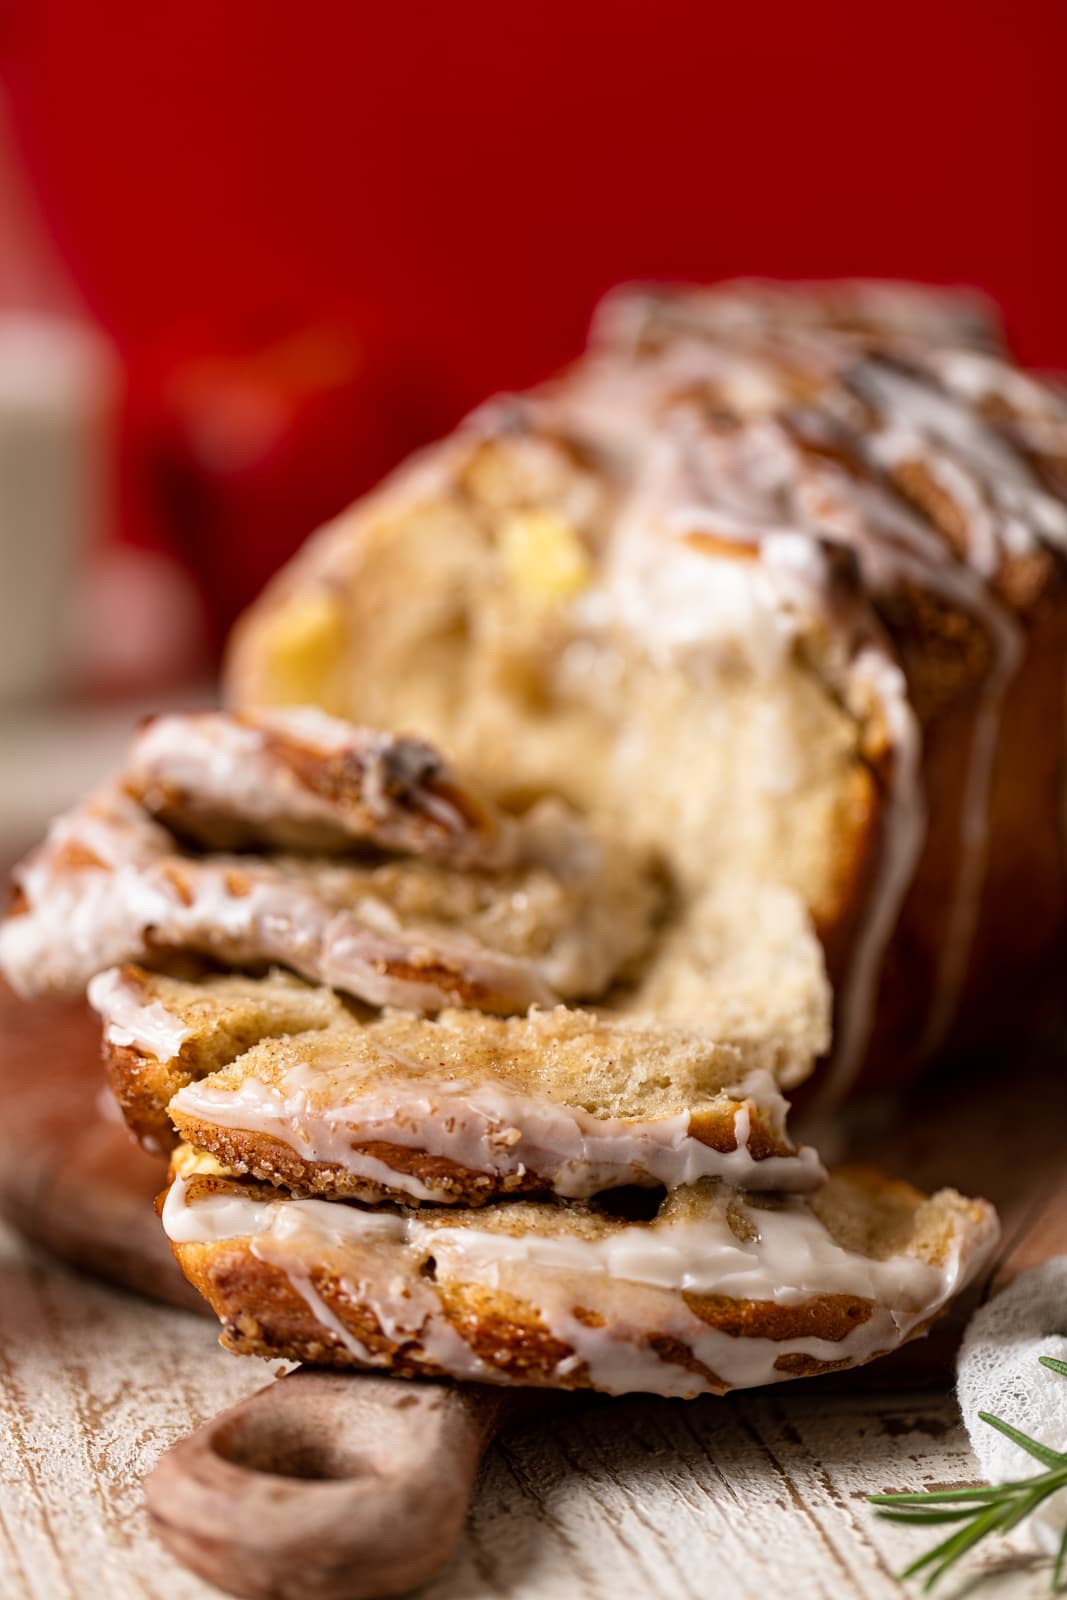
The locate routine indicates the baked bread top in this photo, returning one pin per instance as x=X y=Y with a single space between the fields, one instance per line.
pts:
x=717 y=1290
x=868 y=314
x=788 y=565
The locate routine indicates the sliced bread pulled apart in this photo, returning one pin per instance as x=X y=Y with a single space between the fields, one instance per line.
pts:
x=563 y=915
x=284 y=1082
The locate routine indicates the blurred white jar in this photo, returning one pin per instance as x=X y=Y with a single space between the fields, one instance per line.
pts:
x=58 y=387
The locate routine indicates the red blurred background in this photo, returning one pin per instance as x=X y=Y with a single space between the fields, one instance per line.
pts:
x=317 y=233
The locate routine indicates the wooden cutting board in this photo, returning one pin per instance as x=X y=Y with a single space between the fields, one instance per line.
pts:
x=71 y=1177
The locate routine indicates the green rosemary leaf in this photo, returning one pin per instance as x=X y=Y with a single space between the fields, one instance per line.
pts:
x=1046 y=1481
x=915 y=1514
x=947 y=1554
x=939 y=1552
x=1056 y=1478
x=1040 y=1452
x=1061 y=1561
x=1024 y=1505
x=996 y=1508
x=932 y=1497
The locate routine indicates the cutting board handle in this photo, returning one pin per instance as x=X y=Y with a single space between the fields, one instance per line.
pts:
x=325 y=1486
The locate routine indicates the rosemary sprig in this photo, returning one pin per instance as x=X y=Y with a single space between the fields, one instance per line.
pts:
x=982 y=1511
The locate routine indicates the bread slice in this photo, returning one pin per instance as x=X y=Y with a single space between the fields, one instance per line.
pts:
x=719 y=1290
x=162 y=1032
x=282 y=1081
x=568 y=916
x=302 y=780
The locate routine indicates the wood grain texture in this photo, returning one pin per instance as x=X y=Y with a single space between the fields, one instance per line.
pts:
x=71 y=1176
x=754 y=1495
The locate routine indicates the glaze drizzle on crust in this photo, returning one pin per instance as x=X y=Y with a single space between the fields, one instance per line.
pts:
x=300 y=780
x=716 y=1293
x=866 y=313
x=843 y=442
x=112 y=885
x=282 y=1082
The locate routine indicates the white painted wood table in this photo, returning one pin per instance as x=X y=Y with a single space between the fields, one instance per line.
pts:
x=756 y=1495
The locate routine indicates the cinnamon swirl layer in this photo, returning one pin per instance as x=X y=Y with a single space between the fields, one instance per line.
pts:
x=566 y=915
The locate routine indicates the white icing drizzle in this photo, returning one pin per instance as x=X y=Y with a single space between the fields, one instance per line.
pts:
x=904 y=547
x=131 y=1021
x=301 y=1282
x=489 y=1128
x=751 y=494
x=903 y=836
x=974 y=836
x=994 y=489
x=290 y=1234
x=747 y=484
x=789 y=1260
x=897 y=545
x=1036 y=416
x=1022 y=513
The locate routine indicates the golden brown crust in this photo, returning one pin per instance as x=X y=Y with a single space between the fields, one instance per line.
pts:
x=263 y=1315
x=831 y=1316
x=269 y=1160
x=222 y=1016
x=143 y=1087
x=507 y=1338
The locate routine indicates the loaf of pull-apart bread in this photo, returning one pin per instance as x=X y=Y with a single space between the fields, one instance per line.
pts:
x=457 y=1090
x=688 y=728
x=772 y=583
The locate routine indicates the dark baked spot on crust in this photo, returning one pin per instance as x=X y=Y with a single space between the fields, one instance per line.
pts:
x=18 y=905
x=716 y=1128
x=677 y=1354
x=801 y=1366
x=829 y=1316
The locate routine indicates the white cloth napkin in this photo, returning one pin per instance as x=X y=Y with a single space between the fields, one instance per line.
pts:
x=999 y=1372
